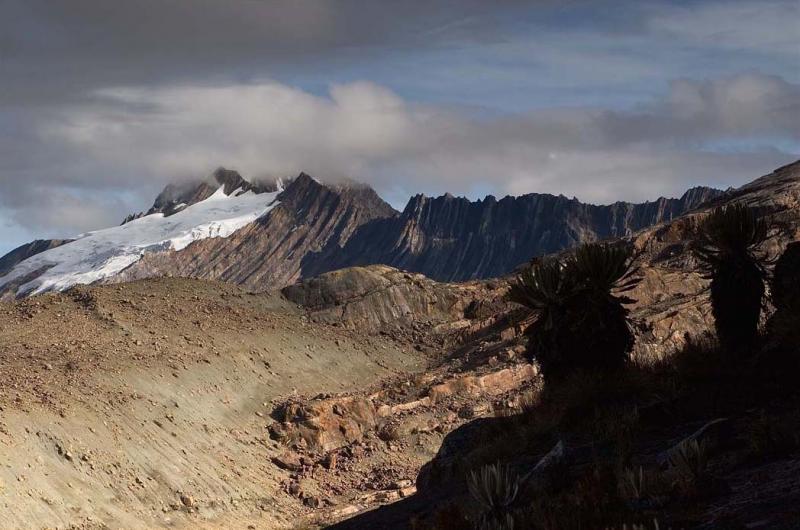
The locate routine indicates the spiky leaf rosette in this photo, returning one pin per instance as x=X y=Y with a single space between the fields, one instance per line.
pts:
x=495 y=488
x=604 y=267
x=728 y=233
x=542 y=287
x=727 y=247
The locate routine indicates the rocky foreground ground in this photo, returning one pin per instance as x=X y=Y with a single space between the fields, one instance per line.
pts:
x=197 y=404
x=147 y=404
x=178 y=402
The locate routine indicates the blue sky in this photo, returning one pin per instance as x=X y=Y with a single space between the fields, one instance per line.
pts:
x=102 y=104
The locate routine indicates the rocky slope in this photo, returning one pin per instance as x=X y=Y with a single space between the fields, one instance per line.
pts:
x=749 y=480
x=194 y=404
x=673 y=299
x=175 y=403
x=146 y=405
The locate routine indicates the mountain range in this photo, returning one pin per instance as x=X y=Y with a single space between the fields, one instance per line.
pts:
x=267 y=235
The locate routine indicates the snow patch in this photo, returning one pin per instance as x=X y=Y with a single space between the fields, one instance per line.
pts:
x=101 y=254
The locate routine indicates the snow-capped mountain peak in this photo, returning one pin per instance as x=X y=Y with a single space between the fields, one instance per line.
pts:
x=100 y=254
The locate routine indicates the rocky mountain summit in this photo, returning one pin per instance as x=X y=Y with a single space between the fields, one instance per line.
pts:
x=300 y=237
x=177 y=196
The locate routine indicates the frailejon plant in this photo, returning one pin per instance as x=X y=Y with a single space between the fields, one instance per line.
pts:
x=690 y=462
x=495 y=488
x=581 y=320
x=727 y=247
x=634 y=484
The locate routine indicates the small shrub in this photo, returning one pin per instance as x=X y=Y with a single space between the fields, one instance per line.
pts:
x=502 y=522
x=643 y=489
x=495 y=488
x=634 y=526
x=689 y=462
x=634 y=484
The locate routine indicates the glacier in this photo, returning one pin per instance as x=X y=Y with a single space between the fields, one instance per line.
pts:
x=100 y=254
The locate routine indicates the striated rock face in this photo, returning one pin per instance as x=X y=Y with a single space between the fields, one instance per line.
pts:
x=454 y=239
x=24 y=252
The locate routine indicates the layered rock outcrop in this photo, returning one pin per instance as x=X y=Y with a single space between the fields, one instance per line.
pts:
x=378 y=297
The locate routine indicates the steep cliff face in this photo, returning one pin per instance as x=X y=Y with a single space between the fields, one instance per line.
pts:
x=454 y=239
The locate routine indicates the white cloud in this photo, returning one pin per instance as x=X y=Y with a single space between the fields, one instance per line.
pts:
x=367 y=132
x=119 y=148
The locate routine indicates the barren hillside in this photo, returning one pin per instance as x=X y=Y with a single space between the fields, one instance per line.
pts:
x=145 y=405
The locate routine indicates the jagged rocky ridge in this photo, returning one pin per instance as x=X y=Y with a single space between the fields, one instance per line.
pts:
x=454 y=239
x=318 y=227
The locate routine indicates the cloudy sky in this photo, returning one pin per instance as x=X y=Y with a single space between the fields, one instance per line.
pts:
x=102 y=103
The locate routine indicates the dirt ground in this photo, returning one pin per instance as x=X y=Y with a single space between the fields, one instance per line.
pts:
x=146 y=405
